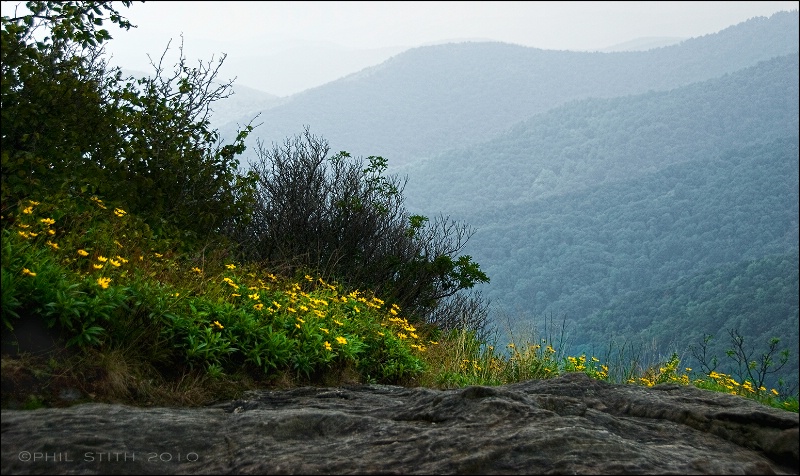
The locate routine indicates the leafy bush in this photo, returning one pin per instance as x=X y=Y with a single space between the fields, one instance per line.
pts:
x=71 y=123
x=343 y=217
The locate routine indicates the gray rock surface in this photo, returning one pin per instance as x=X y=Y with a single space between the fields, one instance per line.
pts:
x=568 y=425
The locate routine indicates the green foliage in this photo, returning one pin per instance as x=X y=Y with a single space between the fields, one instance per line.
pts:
x=52 y=93
x=89 y=270
x=152 y=134
x=172 y=162
x=112 y=290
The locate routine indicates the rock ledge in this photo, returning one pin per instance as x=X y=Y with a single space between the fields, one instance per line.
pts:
x=568 y=425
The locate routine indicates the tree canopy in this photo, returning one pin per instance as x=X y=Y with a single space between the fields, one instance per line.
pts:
x=70 y=122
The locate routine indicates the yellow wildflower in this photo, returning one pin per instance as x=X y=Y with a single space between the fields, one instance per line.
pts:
x=119 y=212
x=327 y=345
x=28 y=210
x=341 y=340
x=28 y=272
x=115 y=263
x=47 y=221
x=103 y=282
x=230 y=266
x=97 y=266
x=102 y=259
x=258 y=306
x=52 y=245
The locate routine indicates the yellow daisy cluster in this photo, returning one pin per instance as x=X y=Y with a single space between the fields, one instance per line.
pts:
x=591 y=366
x=404 y=330
x=44 y=227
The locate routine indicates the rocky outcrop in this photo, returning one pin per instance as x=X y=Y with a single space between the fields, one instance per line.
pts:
x=568 y=425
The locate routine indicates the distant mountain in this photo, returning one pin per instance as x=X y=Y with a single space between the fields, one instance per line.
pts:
x=598 y=141
x=643 y=44
x=430 y=99
x=597 y=199
x=243 y=103
x=297 y=66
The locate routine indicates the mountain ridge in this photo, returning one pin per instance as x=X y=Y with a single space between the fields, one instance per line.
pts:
x=430 y=99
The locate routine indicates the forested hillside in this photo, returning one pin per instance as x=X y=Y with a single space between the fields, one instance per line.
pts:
x=756 y=297
x=598 y=141
x=587 y=203
x=430 y=99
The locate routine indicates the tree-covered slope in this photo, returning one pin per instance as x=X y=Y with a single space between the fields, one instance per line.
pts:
x=596 y=141
x=599 y=198
x=430 y=99
x=574 y=253
x=756 y=297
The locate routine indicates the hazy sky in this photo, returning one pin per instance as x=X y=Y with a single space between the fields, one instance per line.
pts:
x=548 y=25
x=263 y=31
